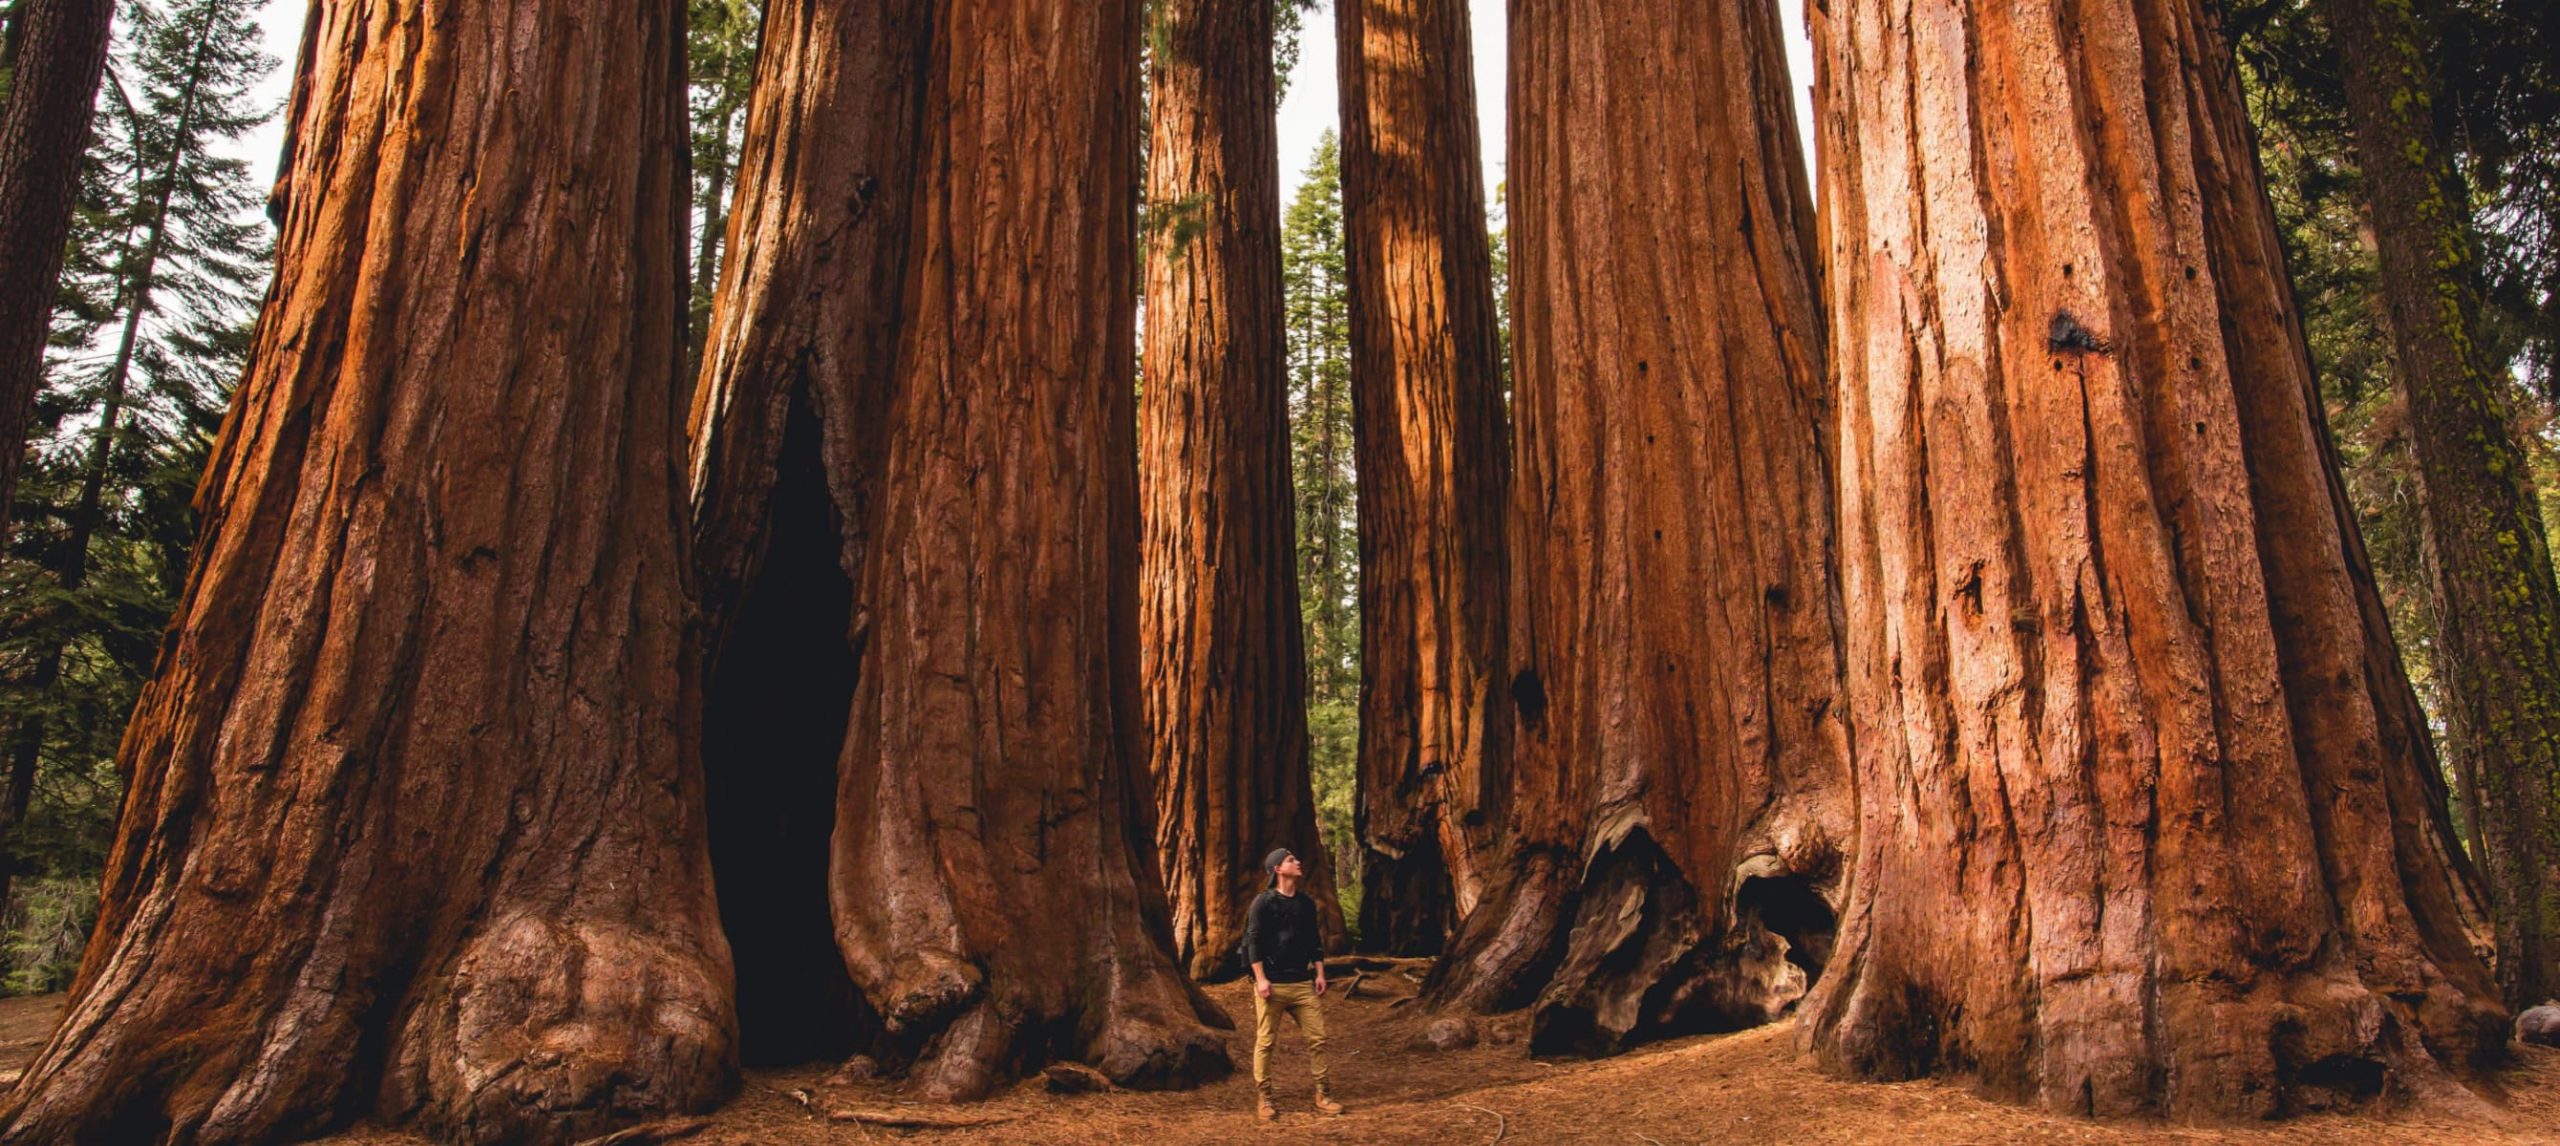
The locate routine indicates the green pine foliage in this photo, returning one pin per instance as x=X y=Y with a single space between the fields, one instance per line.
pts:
x=165 y=268
x=721 y=39
x=2500 y=98
x=1316 y=305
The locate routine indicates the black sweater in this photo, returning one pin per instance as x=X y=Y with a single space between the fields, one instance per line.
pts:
x=1280 y=933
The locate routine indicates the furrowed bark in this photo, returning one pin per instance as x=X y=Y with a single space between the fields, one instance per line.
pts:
x=1223 y=660
x=2149 y=819
x=414 y=827
x=1427 y=396
x=2497 y=606
x=58 y=53
x=992 y=887
x=1679 y=766
x=788 y=426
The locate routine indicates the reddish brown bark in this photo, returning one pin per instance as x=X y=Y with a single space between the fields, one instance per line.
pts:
x=414 y=827
x=788 y=422
x=2497 y=607
x=1427 y=379
x=990 y=886
x=1223 y=661
x=1679 y=771
x=58 y=52
x=2149 y=821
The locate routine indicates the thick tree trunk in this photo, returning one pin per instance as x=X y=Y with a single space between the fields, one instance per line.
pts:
x=414 y=827
x=1680 y=797
x=61 y=50
x=992 y=889
x=2498 y=608
x=2151 y=822
x=1223 y=666
x=1427 y=393
x=787 y=432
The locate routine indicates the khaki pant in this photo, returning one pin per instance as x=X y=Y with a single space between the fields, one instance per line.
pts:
x=1299 y=1001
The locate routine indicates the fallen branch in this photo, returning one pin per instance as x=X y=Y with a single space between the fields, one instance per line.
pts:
x=904 y=1119
x=1502 y=1125
x=648 y=1134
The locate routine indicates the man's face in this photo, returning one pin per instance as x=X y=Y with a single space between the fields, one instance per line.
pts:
x=1291 y=867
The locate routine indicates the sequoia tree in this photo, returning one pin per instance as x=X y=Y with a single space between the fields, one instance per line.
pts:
x=1427 y=395
x=2497 y=608
x=947 y=448
x=1679 y=765
x=787 y=434
x=57 y=51
x=413 y=826
x=2150 y=822
x=1223 y=662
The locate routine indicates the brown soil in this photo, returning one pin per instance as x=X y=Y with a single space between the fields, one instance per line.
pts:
x=1748 y=1087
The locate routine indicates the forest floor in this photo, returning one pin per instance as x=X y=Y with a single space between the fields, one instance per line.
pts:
x=1741 y=1088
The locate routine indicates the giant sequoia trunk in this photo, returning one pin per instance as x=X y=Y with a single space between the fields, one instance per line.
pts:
x=58 y=50
x=2497 y=608
x=788 y=423
x=2150 y=821
x=1679 y=768
x=1427 y=405
x=413 y=826
x=1223 y=659
x=991 y=887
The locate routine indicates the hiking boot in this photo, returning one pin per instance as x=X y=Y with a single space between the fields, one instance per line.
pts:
x=1263 y=1110
x=1326 y=1105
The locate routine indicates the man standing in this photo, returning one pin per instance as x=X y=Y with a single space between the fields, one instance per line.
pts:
x=1287 y=953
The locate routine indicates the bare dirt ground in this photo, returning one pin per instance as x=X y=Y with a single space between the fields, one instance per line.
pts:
x=1743 y=1088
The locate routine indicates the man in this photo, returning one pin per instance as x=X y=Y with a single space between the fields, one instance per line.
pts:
x=1282 y=942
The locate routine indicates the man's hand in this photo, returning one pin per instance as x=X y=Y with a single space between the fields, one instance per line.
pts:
x=1261 y=987
x=1319 y=980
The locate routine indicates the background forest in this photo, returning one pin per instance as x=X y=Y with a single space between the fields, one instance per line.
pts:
x=169 y=257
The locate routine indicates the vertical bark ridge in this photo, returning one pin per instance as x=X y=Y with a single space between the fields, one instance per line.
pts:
x=1680 y=793
x=1431 y=442
x=993 y=888
x=417 y=767
x=1223 y=662
x=2145 y=811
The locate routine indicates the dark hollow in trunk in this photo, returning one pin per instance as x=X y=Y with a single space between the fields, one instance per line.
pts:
x=773 y=728
x=1405 y=899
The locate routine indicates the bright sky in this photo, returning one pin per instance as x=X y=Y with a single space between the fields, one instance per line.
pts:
x=1305 y=116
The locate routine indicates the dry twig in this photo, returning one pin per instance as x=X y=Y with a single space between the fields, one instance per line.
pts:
x=1502 y=1125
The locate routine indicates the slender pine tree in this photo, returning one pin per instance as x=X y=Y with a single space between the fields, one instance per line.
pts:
x=1317 y=305
x=168 y=259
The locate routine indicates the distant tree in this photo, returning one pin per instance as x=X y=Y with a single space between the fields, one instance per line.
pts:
x=1317 y=311
x=53 y=53
x=170 y=240
x=721 y=39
